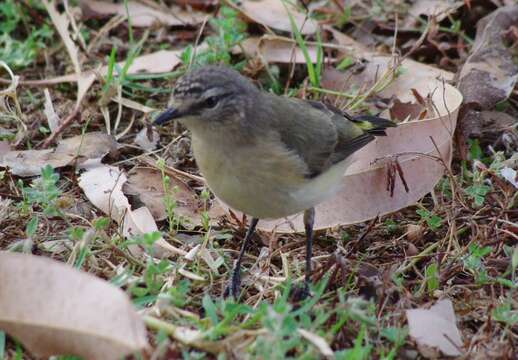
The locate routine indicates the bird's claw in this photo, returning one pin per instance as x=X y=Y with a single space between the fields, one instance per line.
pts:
x=299 y=292
x=233 y=287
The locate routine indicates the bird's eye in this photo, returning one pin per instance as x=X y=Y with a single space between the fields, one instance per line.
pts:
x=211 y=102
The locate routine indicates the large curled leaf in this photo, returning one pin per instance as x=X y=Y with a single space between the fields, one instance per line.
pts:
x=54 y=309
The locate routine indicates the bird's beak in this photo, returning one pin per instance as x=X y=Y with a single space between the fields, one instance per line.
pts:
x=168 y=115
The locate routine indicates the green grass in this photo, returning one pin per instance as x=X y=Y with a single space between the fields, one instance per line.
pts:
x=20 y=40
x=452 y=258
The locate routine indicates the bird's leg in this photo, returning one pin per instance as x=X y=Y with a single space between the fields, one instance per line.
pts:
x=309 y=220
x=300 y=292
x=233 y=287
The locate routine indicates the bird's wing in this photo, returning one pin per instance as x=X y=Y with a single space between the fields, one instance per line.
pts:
x=351 y=136
x=307 y=131
x=321 y=134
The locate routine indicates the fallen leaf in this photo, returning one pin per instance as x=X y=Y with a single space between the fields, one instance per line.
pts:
x=274 y=14
x=102 y=185
x=142 y=15
x=438 y=8
x=436 y=327
x=94 y=145
x=401 y=111
x=490 y=73
x=365 y=74
x=353 y=47
x=147 y=185
x=59 y=310
x=275 y=49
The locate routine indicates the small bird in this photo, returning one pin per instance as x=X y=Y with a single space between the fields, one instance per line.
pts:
x=265 y=155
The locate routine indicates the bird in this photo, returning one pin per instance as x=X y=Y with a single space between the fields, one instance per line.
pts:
x=266 y=155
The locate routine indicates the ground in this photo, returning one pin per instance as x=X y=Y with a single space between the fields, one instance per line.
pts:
x=459 y=243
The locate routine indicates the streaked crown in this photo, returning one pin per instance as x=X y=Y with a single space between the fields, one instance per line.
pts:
x=216 y=79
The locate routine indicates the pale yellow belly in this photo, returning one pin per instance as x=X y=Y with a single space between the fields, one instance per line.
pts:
x=265 y=182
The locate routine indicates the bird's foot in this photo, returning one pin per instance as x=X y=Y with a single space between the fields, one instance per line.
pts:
x=299 y=292
x=233 y=287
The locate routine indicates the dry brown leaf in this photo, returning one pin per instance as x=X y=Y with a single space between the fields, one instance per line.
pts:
x=363 y=193
x=102 y=185
x=94 y=145
x=353 y=47
x=364 y=75
x=439 y=8
x=275 y=49
x=401 y=111
x=274 y=14
x=490 y=73
x=146 y=184
x=59 y=310
x=436 y=327
x=142 y=15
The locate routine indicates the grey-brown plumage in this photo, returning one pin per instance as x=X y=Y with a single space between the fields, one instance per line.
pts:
x=268 y=156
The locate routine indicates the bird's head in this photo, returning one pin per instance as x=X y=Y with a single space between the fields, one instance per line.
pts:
x=209 y=97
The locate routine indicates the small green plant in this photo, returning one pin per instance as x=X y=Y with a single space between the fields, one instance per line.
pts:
x=42 y=194
x=17 y=50
x=433 y=221
x=473 y=262
x=478 y=192
x=391 y=226
x=432 y=278
x=345 y=16
x=505 y=313
x=361 y=348
x=151 y=283
x=205 y=219
x=230 y=32
x=169 y=200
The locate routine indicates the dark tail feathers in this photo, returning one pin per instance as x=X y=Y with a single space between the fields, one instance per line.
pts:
x=373 y=125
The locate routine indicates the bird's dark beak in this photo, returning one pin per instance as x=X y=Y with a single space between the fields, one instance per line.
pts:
x=168 y=115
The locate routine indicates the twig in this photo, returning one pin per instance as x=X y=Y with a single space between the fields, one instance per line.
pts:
x=198 y=37
x=68 y=120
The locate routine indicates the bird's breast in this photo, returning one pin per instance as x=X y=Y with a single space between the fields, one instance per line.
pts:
x=260 y=178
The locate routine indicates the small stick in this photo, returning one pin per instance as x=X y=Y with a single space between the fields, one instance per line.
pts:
x=68 y=120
